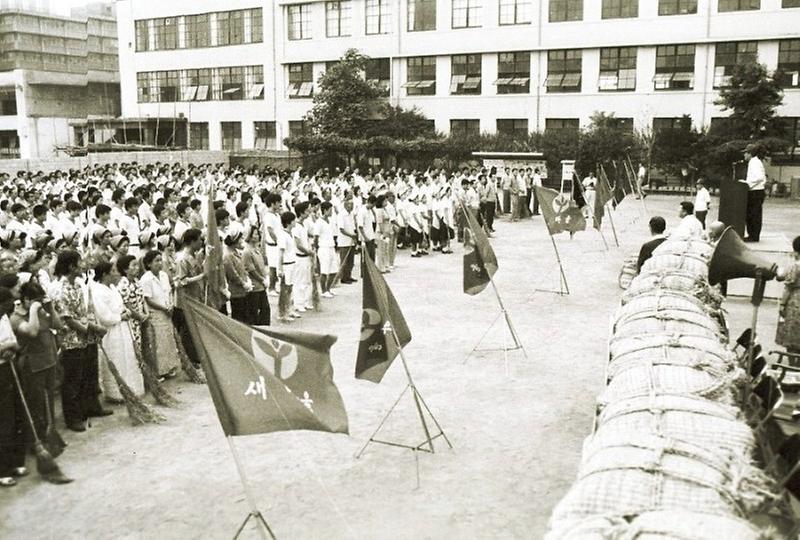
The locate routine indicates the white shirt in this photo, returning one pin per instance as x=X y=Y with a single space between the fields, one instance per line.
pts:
x=366 y=220
x=130 y=225
x=286 y=243
x=323 y=230
x=756 y=175
x=346 y=224
x=702 y=201
x=688 y=227
x=157 y=288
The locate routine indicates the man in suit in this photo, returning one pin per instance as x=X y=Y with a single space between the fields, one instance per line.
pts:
x=657 y=227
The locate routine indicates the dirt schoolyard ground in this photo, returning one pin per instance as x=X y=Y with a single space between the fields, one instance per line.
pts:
x=516 y=427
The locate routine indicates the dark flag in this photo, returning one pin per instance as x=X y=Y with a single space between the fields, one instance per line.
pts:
x=262 y=380
x=215 y=272
x=577 y=191
x=621 y=185
x=480 y=262
x=561 y=214
x=380 y=318
x=602 y=196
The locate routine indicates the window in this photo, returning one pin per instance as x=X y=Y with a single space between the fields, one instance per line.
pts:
x=166 y=34
x=228 y=84
x=620 y=9
x=466 y=74
x=421 y=15
x=8 y=103
x=231 y=135
x=337 y=18
x=167 y=86
x=299 y=21
x=564 y=71
x=143 y=87
x=197 y=31
x=515 y=12
x=791 y=131
x=728 y=55
x=254 y=82
x=142 y=35
x=566 y=10
x=9 y=144
x=738 y=5
x=561 y=125
x=256 y=26
x=198 y=135
x=788 y=72
x=617 y=69
x=421 y=76
x=378 y=16
x=466 y=13
x=661 y=124
x=513 y=73
x=301 y=80
x=230 y=27
x=265 y=136
x=674 y=67
x=677 y=7
x=790 y=3
x=378 y=72
x=513 y=127
x=297 y=128
x=465 y=127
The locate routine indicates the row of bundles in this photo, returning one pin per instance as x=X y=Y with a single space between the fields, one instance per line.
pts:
x=671 y=455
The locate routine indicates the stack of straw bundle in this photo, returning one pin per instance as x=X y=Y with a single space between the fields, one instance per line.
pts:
x=671 y=455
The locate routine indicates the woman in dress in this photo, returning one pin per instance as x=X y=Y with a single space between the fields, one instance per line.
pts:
x=109 y=308
x=128 y=286
x=788 y=334
x=155 y=286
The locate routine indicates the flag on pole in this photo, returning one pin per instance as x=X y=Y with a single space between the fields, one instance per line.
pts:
x=603 y=194
x=480 y=262
x=215 y=272
x=380 y=318
x=263 y=380
x=560 y=212
x=577 y=191
x=622 y=186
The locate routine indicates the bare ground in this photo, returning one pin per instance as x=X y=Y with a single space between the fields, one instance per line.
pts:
x=516 y=426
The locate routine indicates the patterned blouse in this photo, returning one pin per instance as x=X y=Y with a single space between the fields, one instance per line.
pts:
x=71 y=303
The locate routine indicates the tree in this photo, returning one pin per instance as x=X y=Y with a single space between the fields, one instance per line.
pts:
x=605 y=142
x=752 y=98
x=345 y=101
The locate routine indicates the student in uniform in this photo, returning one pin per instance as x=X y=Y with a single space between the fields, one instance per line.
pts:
x=285 y=261
x=326 y=250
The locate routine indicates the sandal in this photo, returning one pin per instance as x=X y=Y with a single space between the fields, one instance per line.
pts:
x=20 y=472
x=7 y=481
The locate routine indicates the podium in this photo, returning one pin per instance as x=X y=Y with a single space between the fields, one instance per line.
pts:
x=733 y=203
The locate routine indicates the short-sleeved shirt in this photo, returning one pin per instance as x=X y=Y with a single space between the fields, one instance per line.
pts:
x=187 y=266
x=71 y=303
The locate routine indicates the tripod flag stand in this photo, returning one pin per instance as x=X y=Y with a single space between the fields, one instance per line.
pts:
x=384 y=333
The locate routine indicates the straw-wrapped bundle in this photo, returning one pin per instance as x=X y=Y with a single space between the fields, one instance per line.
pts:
x=694 y=246
x=684 y=418
x=673 y=306
x=644 y=380
x=675 y=281
x=662 y=525
x=696 y=351
x=693 y=264
x=629 y=474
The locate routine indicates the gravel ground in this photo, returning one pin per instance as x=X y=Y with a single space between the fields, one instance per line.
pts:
x=516 y=426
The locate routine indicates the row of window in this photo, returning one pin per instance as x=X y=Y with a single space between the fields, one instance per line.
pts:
x=421 y=14
x=265 y=134
x=204 y=84
x=675 y=65
x=200 y=30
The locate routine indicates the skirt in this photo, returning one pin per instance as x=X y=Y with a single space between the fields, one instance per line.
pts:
x=118 y=344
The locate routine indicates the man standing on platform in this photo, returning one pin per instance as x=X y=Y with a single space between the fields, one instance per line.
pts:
x=702 y=202
x=756 y=182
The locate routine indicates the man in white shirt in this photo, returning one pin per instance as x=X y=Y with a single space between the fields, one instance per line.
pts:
x=271 y=225
x=326 y=249
x=756 y=182
x=366 y=226
x=302 y=275
x=702 y=202
x=689 y=225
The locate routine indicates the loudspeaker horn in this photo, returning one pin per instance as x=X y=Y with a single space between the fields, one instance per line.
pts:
x=733 y=259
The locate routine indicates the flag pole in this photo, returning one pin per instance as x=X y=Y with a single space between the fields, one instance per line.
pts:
x=639 y=191
x=605 y=206
x=261 y=523
x=560 y=266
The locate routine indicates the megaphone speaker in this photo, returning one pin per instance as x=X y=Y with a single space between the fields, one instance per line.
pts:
x=733 y=259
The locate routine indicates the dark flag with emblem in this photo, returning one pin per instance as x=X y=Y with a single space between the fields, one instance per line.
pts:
x=577 y=191
x=215 y=272
x=381 y=317
x=480 y=262
x=602 y=196
x=262 y=380
x=560 y=212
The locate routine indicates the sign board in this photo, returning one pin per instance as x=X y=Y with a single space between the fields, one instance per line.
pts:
x=502 y=163
x=567 y=169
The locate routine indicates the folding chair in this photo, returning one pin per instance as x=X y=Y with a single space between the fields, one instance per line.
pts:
x=743 y=340
x=786 y=469
x=766 y=399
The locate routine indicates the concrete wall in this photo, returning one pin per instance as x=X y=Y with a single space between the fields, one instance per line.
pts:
x=11 y=166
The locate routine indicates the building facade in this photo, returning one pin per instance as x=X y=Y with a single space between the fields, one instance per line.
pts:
x=55 y=72
x=244 y=77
